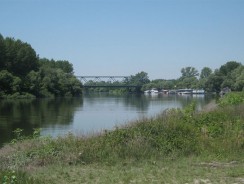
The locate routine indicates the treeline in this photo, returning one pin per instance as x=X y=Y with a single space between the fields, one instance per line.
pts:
x=229 y=75
x=23 y=74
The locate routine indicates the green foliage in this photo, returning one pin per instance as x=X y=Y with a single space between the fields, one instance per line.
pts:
x=227 y=68
x=229 y=75
x=9 y=83
x=36 y=132
x=9 y=178
x=65 y=66
x=205 y=72
x=232 y=98
x=16 y=177
x=226 y=76
x=139 y=79
x=238 y=76
x=23 y=74
x=160 y=84
x=189 y=72
x=20 y=57
x=19 y=135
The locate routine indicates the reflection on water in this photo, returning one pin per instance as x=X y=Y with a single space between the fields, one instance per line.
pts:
x=39 y=113
x=88 y=114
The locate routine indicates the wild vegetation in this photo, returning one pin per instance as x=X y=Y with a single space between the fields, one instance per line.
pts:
x=178 y=146
x=24 y=75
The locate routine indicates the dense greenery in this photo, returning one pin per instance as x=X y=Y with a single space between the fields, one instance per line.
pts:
x=23 y=74
x=229 y=75
x=172 y=142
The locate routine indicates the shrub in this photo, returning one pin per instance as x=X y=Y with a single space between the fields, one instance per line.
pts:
x=232 y=98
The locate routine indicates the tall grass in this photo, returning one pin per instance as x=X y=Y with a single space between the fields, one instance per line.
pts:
x=172 y=134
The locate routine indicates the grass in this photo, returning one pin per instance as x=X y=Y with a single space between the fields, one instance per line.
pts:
x=183 y=170
x=178 y=146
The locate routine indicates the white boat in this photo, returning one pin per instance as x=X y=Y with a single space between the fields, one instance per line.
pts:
x=184 y=91
x=154 y=90
x=198 y=91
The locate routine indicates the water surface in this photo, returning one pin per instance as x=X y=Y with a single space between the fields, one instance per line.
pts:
x=84 y=115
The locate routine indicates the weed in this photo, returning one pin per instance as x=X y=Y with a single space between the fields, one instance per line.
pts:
x=18 y=134
x=9 y=178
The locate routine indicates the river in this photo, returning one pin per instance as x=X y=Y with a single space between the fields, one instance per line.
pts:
x=88 y=114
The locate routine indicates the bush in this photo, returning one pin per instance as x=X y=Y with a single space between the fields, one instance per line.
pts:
x=232 y=98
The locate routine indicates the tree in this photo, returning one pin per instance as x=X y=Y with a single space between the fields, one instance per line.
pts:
x=20 y=57
x=205 y=73
x=9 y=84
x=33 y=83
x=60 y=64
x=226 y=72
x=188 y=78
x=214 y=81
x=188 y=72
x=227 y=68
x=139 y=80
x=238 y=75
x=65 y=66
x=22 y=71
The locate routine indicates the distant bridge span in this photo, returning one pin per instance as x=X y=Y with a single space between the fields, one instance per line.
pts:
x=106 y=81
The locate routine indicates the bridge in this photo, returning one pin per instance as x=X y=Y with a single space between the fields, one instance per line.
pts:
x=106 y=81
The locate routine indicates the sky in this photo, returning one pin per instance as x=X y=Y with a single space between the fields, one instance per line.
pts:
x=125 y=37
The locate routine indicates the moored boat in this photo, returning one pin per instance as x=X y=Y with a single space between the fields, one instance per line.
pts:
x=154 y=90
x=198 y=91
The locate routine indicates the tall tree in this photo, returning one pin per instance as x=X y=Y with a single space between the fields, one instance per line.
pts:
x=213 y=83
x=20 y=57
x=139 y=80
x=188 y=72
x=188 y=78
x=205 y=73
x=227 y=68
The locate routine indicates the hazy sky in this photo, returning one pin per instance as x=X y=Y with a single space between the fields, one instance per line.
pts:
x=124 y=37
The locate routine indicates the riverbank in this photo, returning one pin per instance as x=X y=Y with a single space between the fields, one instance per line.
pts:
x=178 y=146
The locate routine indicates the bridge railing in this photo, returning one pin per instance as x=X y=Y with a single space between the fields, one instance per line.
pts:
x=105 y=81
